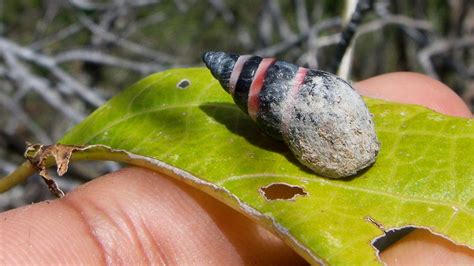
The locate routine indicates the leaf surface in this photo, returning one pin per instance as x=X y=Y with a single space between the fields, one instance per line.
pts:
x=423 y=177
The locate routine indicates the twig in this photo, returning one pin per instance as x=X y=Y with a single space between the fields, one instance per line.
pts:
x=282 y=25
x=355 y=10
x=49 y=63
x=58 y=36
x=320 y=42
x=288 y=44
x=41 y=25
x=20 y=115
x=222 y=8
x=301 y=15
x=311 y=56
x=265 y=27
x=105 y=59
x=424 y=56
x=124 y=43
x=154 y=18
x=181 y=6
x=22 y=76
x=95 y=6
x=397 y=20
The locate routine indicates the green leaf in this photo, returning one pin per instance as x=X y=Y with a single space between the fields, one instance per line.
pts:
x=423 y=176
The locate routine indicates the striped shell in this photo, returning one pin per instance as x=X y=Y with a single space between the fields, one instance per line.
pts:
x=321 y=118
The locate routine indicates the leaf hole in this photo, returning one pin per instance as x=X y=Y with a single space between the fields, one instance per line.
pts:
x=183 y=84
x=406 y=240
x=390 y=237
x=282 y=191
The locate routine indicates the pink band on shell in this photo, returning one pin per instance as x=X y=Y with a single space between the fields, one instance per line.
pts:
x=234 y=76
x=256 y=86
x=296 y=83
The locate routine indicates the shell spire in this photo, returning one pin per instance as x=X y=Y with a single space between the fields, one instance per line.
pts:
x=321 y=118
x=221 y=65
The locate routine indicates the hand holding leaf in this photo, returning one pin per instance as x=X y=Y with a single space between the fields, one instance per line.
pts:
x=135 y=214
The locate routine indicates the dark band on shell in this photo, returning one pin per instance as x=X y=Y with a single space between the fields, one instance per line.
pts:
x=321 y=118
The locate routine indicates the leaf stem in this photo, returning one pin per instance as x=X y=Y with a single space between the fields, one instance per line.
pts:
x=91 y=153
x=24 y=171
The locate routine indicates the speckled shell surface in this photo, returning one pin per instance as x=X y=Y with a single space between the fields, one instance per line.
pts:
x=321 y=118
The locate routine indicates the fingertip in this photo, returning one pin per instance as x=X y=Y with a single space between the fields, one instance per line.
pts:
x=414 y=88
x=421 y=247
x=189 y=225
x=136 y=215
x=43 y=233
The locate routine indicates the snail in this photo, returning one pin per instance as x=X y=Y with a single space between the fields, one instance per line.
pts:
x=320 y=117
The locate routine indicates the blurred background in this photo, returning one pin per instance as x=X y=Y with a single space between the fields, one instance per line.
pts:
x=61 y=59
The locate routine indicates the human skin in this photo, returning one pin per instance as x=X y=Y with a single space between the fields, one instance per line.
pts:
x=137 y=216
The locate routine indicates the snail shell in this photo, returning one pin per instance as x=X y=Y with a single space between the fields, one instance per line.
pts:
x=321 y=118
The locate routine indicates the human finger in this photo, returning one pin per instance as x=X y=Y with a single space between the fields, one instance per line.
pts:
x=413 y=88
x=137 y=216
